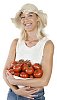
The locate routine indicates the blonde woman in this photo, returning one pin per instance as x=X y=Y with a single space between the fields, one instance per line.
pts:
x=33 y=45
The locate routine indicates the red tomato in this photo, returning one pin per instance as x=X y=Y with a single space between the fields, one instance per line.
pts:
x=29 y=70
x=38 y=73
x=11 y=71
x=17 y=74
x=17 y=68
x=24 y=75
x=24 y=67
x=37 y=66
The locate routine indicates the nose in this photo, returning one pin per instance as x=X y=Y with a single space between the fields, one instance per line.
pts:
x=26 y=18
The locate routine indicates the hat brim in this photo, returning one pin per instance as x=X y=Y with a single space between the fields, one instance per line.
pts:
x=30 y=8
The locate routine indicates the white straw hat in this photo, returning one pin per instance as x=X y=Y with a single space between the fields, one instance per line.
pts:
x=30 y=8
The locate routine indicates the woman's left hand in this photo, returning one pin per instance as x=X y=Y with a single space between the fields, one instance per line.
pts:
x=10 y=77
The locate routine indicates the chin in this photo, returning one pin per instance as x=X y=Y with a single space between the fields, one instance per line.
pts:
x=28 y=29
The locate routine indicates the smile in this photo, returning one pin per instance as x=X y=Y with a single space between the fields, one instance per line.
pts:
x=29 y=24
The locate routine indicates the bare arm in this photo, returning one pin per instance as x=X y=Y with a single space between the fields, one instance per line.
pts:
x=47 y=62
x=11 y=57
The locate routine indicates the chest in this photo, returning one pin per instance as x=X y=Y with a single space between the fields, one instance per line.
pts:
x=31 y=44
x=31 y=53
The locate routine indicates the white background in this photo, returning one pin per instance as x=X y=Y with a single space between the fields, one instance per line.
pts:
x=8 y=32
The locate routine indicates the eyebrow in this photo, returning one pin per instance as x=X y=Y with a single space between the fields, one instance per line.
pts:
x=21 y=14
x=30 y=13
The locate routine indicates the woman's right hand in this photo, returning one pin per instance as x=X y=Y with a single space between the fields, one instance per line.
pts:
x=26 y=92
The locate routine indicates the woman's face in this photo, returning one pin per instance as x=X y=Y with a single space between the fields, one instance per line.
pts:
x=29 y=21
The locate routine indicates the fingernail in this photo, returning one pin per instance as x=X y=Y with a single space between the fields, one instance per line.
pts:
x=31 y=98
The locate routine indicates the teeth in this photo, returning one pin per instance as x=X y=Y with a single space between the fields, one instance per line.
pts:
x=28 y=24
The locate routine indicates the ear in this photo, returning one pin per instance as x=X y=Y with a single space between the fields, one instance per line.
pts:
x=38 y=19
x=38 y=23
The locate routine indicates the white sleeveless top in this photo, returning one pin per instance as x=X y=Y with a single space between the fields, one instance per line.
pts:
x=34 y=53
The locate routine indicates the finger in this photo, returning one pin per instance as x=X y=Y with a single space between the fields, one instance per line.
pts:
x=26 y=88
x=33 y=91
x=7 y=73
x=30 y=98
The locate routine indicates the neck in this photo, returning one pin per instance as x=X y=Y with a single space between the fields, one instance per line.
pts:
x=32 y=35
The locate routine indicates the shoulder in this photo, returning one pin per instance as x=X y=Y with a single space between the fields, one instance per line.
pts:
x=14 y=43
x=49 y=46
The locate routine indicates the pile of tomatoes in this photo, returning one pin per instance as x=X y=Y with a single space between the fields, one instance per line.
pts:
x=25 y=69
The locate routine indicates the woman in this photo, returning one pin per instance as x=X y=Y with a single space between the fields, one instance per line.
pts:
x=32 y=45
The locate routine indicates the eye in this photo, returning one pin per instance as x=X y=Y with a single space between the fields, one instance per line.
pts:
x=30 y=15
x=22 y=17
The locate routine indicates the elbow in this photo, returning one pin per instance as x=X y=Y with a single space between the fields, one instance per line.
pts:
x=4 y=75
x=46 y=82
